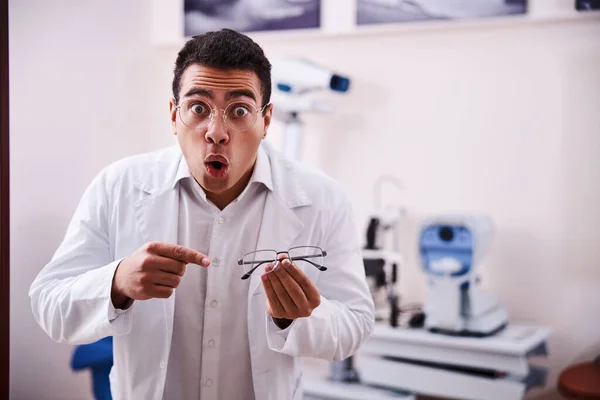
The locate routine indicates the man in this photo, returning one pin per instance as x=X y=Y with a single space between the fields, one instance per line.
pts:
x=151 y=254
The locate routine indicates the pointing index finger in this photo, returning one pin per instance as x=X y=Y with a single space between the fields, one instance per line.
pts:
x=180 y=253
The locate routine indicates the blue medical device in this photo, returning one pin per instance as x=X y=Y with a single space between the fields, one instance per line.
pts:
x=450 y=248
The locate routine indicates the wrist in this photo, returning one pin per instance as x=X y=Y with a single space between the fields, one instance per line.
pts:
x=282 y=323
x=118 y=298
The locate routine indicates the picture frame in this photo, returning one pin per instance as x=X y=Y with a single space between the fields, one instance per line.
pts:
x=247 y=16
x=587 y=5
x=373 y=12
x=339 y=18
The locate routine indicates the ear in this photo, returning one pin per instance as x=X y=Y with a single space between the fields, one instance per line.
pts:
x=267 y=118
x=173 y=112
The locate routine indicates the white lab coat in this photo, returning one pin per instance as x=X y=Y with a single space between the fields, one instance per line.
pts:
x=134 y=201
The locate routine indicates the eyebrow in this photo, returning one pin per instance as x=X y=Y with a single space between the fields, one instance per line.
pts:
x=240 y=93
x=199 y=92
x=228 y=96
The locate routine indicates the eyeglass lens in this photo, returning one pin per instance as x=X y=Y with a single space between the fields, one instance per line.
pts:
x=239 y=115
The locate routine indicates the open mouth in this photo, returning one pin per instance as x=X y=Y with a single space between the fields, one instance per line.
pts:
x=216 y=166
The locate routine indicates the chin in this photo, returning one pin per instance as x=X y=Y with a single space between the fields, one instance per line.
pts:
x=216 y=186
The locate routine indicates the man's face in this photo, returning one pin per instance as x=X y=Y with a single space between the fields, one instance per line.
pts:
x=219 y=156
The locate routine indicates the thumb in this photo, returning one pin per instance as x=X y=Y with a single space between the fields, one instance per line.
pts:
x=271 y=266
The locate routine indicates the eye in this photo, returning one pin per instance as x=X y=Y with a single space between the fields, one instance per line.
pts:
x=239 y=111
x=199 y=108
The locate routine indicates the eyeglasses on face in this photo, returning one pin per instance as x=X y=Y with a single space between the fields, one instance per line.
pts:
x=254 y=260
x=238 y=115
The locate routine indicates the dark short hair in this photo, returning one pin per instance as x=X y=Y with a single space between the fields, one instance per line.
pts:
x=226 y=50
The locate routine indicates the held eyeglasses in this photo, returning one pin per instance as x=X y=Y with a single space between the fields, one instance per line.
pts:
x=254 y=260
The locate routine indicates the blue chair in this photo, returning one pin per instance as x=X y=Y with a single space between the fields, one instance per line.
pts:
x=98 y=357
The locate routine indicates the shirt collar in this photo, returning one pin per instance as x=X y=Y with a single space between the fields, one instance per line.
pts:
x=262 y=169
x=261 y=174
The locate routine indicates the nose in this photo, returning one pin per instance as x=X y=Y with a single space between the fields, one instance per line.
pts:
x=217 y=131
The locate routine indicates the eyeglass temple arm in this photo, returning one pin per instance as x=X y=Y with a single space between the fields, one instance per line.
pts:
x=247 y=274
x=319 y=267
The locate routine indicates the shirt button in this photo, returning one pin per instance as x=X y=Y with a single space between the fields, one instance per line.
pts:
x=209 y=382
x=216 y=262
x=221 y=220
x=162 y=364
x=213 y=303
x=211 y=343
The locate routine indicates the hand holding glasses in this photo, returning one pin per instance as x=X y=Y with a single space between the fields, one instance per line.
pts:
x=289 y=291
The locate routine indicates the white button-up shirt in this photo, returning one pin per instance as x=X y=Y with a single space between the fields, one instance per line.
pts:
x=210 y=357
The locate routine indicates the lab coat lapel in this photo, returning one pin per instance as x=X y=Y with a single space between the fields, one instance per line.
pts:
x=158 y=217
x=278 y=230
x=279 y=226
x=157 y=210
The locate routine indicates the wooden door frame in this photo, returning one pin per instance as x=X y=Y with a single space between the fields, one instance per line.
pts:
x=4 y=207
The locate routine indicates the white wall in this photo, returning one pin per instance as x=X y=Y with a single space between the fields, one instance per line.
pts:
x=86 y=89
x=504 y=121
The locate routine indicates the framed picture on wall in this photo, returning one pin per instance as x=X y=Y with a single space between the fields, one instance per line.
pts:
x=249 y=15
x=389 y=11
x=587 y=5
x=174 y=21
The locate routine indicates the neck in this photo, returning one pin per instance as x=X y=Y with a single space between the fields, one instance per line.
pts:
x=223 y=199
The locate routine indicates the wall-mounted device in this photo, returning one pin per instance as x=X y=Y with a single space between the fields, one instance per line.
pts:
x=294 y=81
